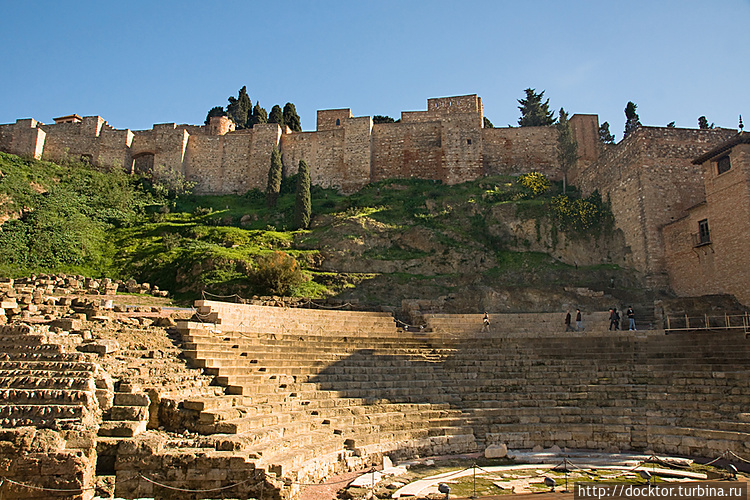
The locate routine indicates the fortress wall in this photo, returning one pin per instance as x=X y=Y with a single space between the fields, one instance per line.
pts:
x=165 y=141
x=114 y=148
x=74 y=140
x=456 y=104
x=585 y=131
x=651 y=181
x=724 y=265
x=329 y=119
x=255 y=173
x=518 y=150
x=403 y=150
x=323 y=151
x=357 y=154
x=6 y=136
x=23 y=138
x=22 y=128
x=461 y=137
x=204 y=162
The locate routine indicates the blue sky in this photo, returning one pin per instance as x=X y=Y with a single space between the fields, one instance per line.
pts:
x=137 y=63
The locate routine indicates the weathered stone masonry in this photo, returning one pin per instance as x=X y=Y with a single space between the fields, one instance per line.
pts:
x=448 y=142
x=649 y=177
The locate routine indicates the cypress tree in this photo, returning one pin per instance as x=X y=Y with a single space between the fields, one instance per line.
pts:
x=259 y=116
x=632 y=121
x=604 y=134
x=240 y=109
x=274 y=178
x=567 y=147
x=303 y=204
x=276 y=116
x=291 y=118
x=534 y=112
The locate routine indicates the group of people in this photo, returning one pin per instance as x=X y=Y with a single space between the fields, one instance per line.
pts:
x=579 y=322
x=614 y=320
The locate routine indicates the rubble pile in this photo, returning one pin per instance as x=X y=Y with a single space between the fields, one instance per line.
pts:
x=64 y=301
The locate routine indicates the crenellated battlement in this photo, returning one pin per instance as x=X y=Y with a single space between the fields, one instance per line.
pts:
x=447 y=142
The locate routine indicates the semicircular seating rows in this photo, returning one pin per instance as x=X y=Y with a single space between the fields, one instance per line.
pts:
x=309 y=392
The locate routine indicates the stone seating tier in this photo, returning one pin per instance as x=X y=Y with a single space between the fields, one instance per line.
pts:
x=302 y=393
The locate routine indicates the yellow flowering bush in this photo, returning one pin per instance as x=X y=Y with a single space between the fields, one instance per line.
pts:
x=584 y=215
x=534 y=183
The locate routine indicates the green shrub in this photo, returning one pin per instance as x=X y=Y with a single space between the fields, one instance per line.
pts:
x=586 y=215
x=276 y=273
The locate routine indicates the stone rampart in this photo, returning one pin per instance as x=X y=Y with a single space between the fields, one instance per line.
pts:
x=518 y=150
x=447 y=142
x=650 y=181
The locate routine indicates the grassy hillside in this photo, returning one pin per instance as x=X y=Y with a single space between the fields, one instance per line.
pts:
x=393 y=239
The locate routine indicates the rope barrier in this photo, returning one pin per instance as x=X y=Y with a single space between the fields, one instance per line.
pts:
x=41 y=488
x=347 y=304
x=185 y=490
x=204 y=293
x=408 y=326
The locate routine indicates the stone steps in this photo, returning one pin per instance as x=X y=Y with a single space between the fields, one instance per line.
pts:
x=48 y=396
x=80 y=383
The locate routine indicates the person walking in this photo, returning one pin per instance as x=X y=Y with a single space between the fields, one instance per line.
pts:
x=486 y=322
x=631 y=318
x=568 y=326
x=579 y=323
x=612 y=322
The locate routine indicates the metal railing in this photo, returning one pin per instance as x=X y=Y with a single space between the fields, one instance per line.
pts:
x=706 y=322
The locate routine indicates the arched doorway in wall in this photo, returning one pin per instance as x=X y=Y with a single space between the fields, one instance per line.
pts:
x=143 y=163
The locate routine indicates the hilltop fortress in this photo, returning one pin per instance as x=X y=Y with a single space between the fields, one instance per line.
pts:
x=650 y=177
x=448 y=142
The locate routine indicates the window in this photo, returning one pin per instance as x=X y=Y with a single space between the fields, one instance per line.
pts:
x=723 y=165
x=704 y=237
x=338 y=121
x=468 y=141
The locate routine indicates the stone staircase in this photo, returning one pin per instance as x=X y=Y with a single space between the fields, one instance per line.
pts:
x=332 y=389
x=620 y=390
x=49 y=413
x=357 y=384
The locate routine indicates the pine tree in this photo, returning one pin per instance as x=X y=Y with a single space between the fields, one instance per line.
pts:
x=291 y=118
x=534 y=112
x=488 y=123
x=276 y=116
x=382 y=119
x=632 y=121
x=215 y=111
x=302 y=205
x=240 y=109
x=259 y=116
x=604 y=135
x=274 y=178
x=567 y=147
